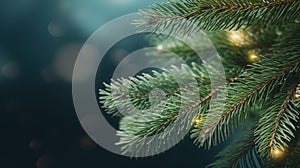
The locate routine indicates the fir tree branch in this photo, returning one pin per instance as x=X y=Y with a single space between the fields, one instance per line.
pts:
x=230 y=6
x=136 y=92
x=203 y=100
x=193 y=106
x=261 y=79
x=150 y=121
x=246 y=98
x=276 y=127
x=219 y=15
x=241 y=152
x=281 y=113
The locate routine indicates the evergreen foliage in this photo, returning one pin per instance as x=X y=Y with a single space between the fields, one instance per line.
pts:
x=266 y=88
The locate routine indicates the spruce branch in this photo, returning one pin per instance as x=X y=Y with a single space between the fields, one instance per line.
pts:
x=152 y=114
x=177 y=108
x=242 y=152
x=135 y=92
x=174 y=46
x=239 y=157
x=276 y=128
x=261 y=80
x=158 y=109
x=135 y=130
x=219 y=15
x=282 y=113
x=245 y=99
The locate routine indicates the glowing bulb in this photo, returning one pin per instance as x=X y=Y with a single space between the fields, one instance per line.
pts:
x=198 y=120
x=160 y=47
x=297 y=95
x=253 y=56
x=276 y=153
x=236 y=37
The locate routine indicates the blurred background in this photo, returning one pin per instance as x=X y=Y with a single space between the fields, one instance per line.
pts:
x=39 y=42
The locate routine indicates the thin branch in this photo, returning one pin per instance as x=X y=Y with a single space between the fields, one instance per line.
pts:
x=283 y=110
x=229 y=6
x=214 y=15
x=247 y=97
x=161 y=94
x=243 y=153
x=199 y=102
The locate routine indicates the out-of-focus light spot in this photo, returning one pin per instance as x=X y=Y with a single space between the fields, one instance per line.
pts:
x=86 y=143
x=277 y=153
x=65 y=60
x=237 y=38
x=90 y=54
x=198 y=120
x=48 y=74
x=10 y=70
x=56 y=29
x=119 y=54
x=35 y=145
x=253 y=56
x=45 y=162
x=278 y=32
x=160 y=47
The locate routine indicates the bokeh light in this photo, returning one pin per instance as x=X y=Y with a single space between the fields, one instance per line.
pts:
x=65 y=59
x=118 y=55
x=49 y=74
x=10 y=70
x=45 y=162
x=56 y=29
x=237 y=38
x=35 y=145
x=160 y=47
x=277 y=153
x=86 y=143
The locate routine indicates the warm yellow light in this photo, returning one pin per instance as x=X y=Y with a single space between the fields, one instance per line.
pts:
x=297 y=95
x=198 y=120
x=276 y=153
x=236 y=37
x=160 y=47
x=253 y=56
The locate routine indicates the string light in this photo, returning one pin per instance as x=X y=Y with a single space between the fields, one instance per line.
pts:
x=198 y=120
x=297 y=93
x=253 y=56
x=277 y=153
x=237 y=38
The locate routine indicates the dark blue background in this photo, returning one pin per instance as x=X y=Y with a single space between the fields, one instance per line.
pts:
x=39 y=42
